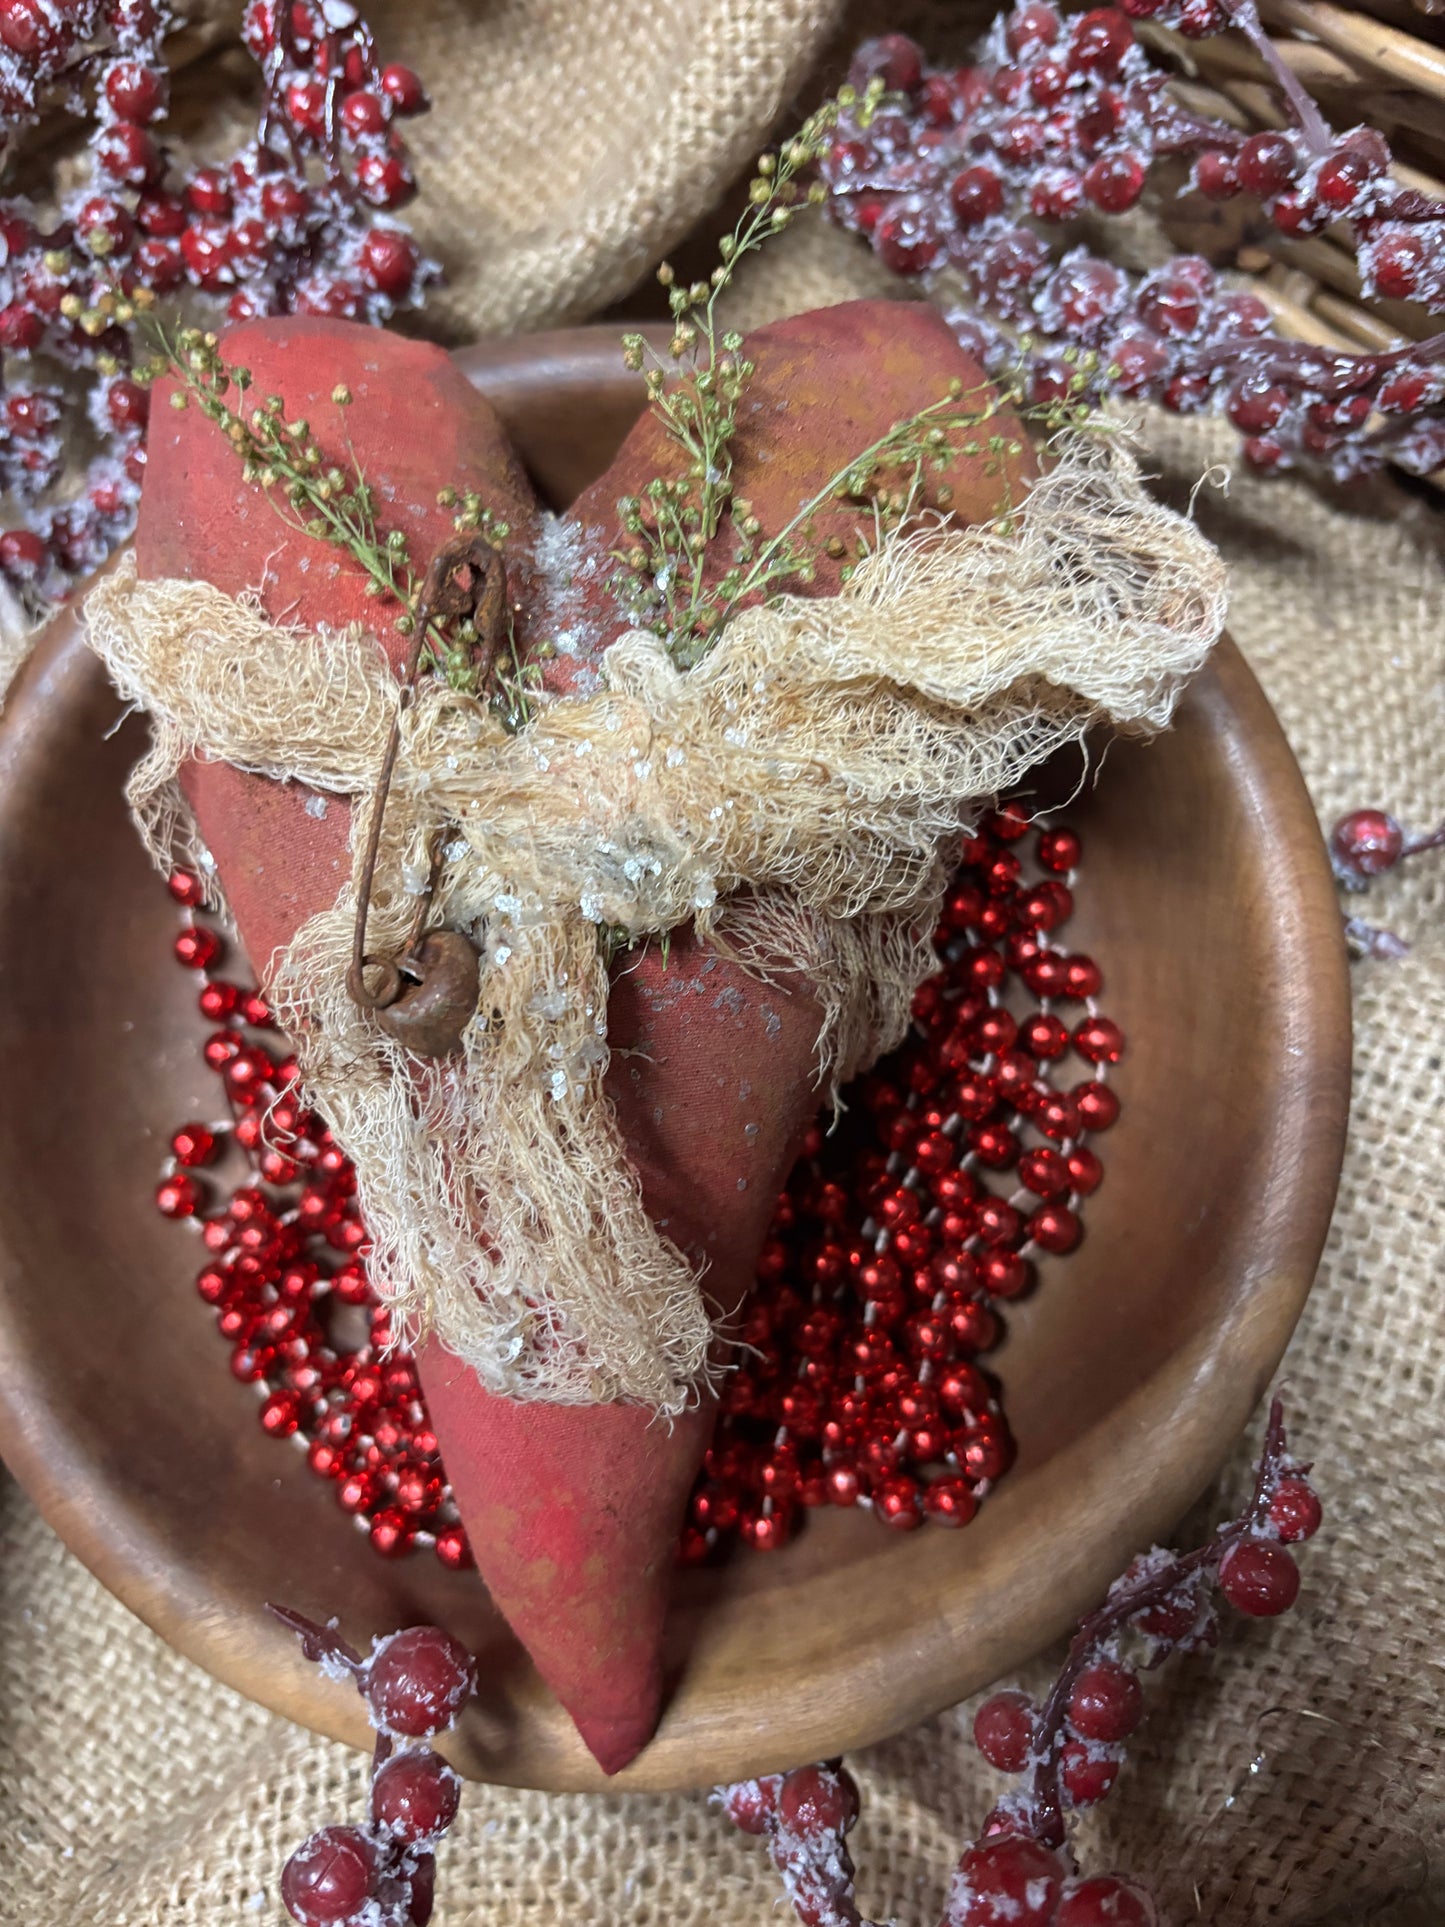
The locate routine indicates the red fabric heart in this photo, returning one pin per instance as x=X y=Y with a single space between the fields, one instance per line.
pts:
x=572 y=1512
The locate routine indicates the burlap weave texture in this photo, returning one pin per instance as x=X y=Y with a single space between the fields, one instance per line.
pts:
x=573 y=141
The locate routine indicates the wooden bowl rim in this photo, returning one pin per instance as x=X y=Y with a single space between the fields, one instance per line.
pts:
x=1202 y=1414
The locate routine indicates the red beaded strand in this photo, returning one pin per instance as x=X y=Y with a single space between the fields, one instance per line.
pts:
x=879 y=1282
x=286 y=1278
x=878 y=1285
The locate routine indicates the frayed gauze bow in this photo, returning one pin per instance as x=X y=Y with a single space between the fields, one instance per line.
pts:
x=799 y=796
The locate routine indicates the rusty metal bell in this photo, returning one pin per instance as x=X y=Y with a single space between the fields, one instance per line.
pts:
x=439 y=982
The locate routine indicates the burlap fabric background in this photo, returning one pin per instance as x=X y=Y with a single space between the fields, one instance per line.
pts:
x=573 y=141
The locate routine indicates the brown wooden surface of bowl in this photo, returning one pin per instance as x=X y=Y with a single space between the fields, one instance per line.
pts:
x=1206 y=898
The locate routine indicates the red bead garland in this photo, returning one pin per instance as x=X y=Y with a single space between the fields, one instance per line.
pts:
x=877 y=1285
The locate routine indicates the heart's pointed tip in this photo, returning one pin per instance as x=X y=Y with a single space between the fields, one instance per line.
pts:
x=615 y=1740
x=573 y=1513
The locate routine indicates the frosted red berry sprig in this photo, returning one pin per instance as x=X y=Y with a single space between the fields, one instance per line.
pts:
x=1067 y=1752
x=382 y=1873
x=804 y=1817
x=1367 y=844
x=301 y=220
x=980 y=178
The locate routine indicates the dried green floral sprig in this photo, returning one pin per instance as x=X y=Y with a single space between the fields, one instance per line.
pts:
x=671 y=528
x=322 y=500
x=696 y=397
x=885 y=482
x=667 y=576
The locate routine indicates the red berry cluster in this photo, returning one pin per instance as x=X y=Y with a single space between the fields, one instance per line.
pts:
x=879 y=1285
x=1069 y=1750
x=881 y=1277
x=989 y=171
x=52 y=283
x=295 y=243
x=286 y=1277
x=299 y=221
x=41 y=42
x=383 y=1873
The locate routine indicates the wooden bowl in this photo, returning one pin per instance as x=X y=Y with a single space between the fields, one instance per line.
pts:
x=1207 y=900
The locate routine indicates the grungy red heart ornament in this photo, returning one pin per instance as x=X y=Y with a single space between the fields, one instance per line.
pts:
x=573 y=1512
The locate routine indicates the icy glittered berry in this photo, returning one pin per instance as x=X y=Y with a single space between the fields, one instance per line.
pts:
x=816 y=1800
x=1003 y=1730
x=414 y=1796
x=1365 y=844
x=418 y=1681
x=1107 y=1702
x=1009 y=1881
x=1105 y=1901
x=1259 y=1578
x=751 y=1804
x=327 y=1881
x=1295 y=1510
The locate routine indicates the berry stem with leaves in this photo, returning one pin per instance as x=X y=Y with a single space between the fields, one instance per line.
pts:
x=673 y=571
